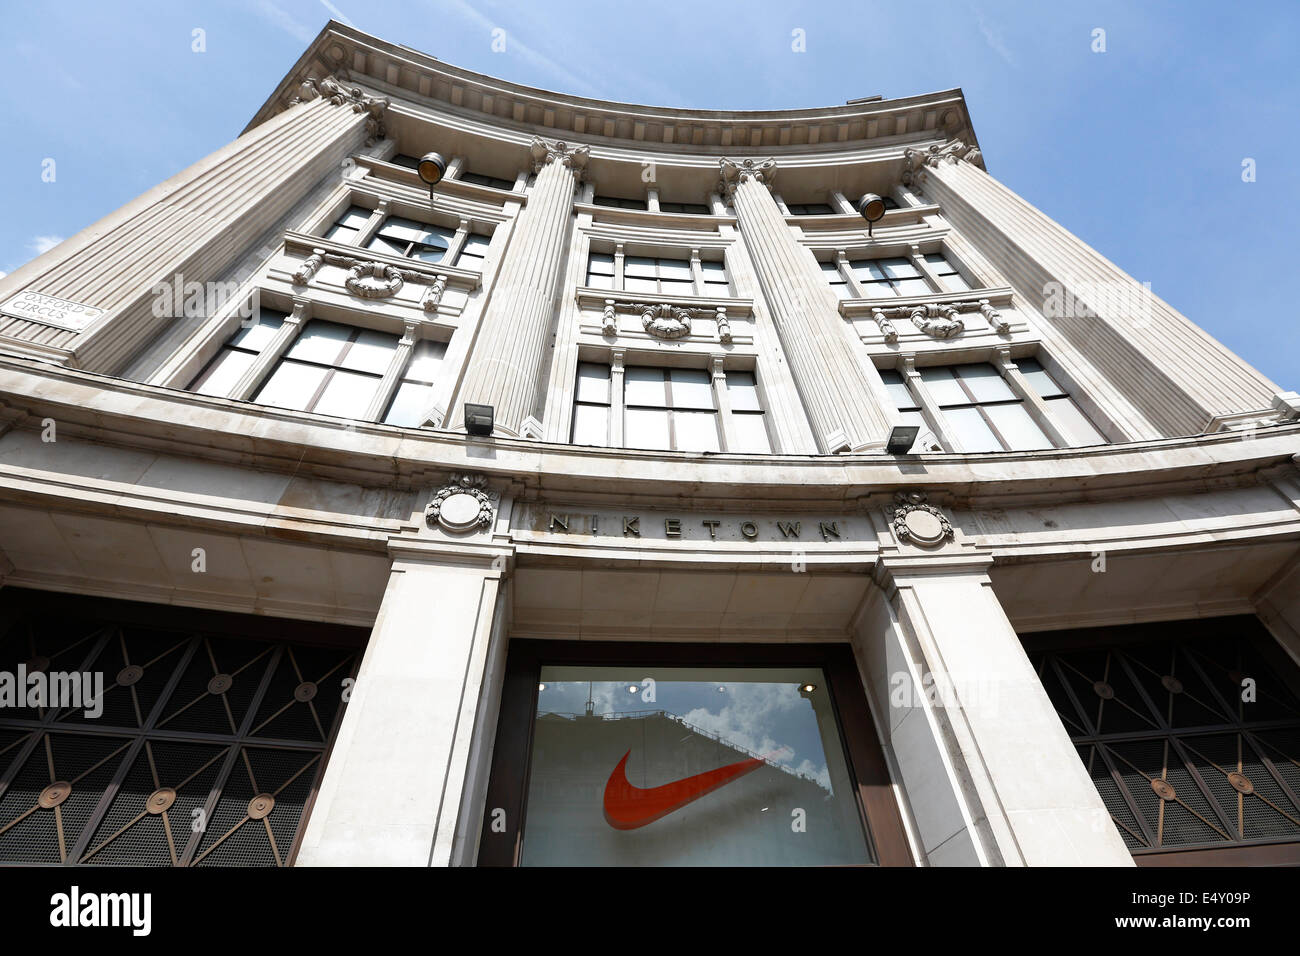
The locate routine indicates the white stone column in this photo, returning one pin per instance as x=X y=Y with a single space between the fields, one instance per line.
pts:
x=987 y=762
x=392 y=790
x=506 y=363
x=847 y=409
x=1177 y=375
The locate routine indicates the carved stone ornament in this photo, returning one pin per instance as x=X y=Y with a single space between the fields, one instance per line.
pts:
x=937 y=321
x=309 y=267
x=574 y=157
x=461 y=505
x=666 y=321
x=336 y=93
x=609 y=319
x=917 y=522
x=950 y=153
x=374 y=280
x=733 y=173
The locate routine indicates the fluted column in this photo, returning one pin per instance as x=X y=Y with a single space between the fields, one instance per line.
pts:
x=196 y=223
x=846 y=407
x=1149 y=355
x=506 y=362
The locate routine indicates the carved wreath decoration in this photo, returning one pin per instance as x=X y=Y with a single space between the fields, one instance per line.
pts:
x=472 y=485
x=907 y=502
x=373 y=280
x=666 y=321
x=937 y=321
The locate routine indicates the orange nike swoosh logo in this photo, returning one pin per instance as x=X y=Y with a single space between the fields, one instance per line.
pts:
x=628 y=807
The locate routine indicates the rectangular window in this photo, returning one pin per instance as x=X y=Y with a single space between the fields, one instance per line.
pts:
x=600 y=270
x=349 y=225
x=330 y=369
x=402 y=159
x=735 y=743
x=656 y=274
x=903 y=399
x=414 y=394
x=836 y=279
x=415 y=240
x=671 y=409
x=715 y=278
x=1067 y=415
x=981 y=410
x=474 y=252
x=949 y=277
x=591 y=405
x=686 y=208
x=480 y=180
x=221 y=374
x=747 y=419
x=618 y=202
x=810 y=209
x=886 y=278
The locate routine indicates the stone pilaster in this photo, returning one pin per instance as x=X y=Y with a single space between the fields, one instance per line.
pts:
x=846 y=407
x=1147 y=353
x=506 y=363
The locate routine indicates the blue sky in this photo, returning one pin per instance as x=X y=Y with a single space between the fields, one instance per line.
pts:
x=1138 y=150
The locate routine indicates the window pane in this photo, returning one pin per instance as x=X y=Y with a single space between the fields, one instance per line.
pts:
x=953 y=283
x=320 y=342
x=970 y=430
x=638 y=284
x=831 y=271
x=985 y=383
x=593 y=383
x=646 y=428
x=596 y=281
x=696 y=431
x=899 y=267
x=224 y=372
x=590 y=425
x=426 y=360
x=877 y=290
x=639 y=266
x=258 y=335
x=291 y=385
x=644 y=386
x=692 y=388
x=899 y=393
x=912 y=287
x=408 y=230
x=380 y=244
x=1070 y=419
x=713 y=271
x=1038 y=378
x=675 y=269
x=1017 y=427
x=842 y=291
x=347 y=395
x=430 y=254
x=917 y=419
x=409 y=404
x=939 y=263
x=371 y=352
x=601 y=263
x=867 y=270
x=943 y=387
x=742 y=389
x=751 y=433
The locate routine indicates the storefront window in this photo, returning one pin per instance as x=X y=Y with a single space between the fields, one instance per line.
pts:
x=673 y=766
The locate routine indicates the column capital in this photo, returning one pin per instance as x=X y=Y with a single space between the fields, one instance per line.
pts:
x=732 y=172
x=951 y=153
x=545 y=153
x=335 y=92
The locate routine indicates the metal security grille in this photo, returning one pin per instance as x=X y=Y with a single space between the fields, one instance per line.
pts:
x=207 y=751
x=1190 y=731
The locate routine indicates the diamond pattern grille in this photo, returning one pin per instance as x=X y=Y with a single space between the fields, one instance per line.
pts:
x=1191 y=734
x=199 y=727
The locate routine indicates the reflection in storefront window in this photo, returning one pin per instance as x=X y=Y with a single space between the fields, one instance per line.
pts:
x=689 y=766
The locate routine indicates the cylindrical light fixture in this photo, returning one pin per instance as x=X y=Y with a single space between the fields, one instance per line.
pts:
x=431 y=167
x=871 y=207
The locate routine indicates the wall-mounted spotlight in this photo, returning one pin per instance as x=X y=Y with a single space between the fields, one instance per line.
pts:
x=901 y=439
x=479 y=419
x=431 y=167
x=871 y=207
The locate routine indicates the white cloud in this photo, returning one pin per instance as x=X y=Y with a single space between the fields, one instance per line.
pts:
x=43 y=244
x=993 y=37
x=273 y=14
x=336 y=13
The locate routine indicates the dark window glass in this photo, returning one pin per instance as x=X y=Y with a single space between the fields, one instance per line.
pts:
x=401 y=159
x=688 y=208
x=479 y=179
x=620 y=203
x=809 y=209
x=349 y=225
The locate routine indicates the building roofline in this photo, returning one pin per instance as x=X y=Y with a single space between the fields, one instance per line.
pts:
x=348 y=53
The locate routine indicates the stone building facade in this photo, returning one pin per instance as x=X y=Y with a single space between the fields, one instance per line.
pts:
x=236 y=484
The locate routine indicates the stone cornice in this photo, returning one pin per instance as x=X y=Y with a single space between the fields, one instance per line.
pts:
x=358 y=58
x=118 y=412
